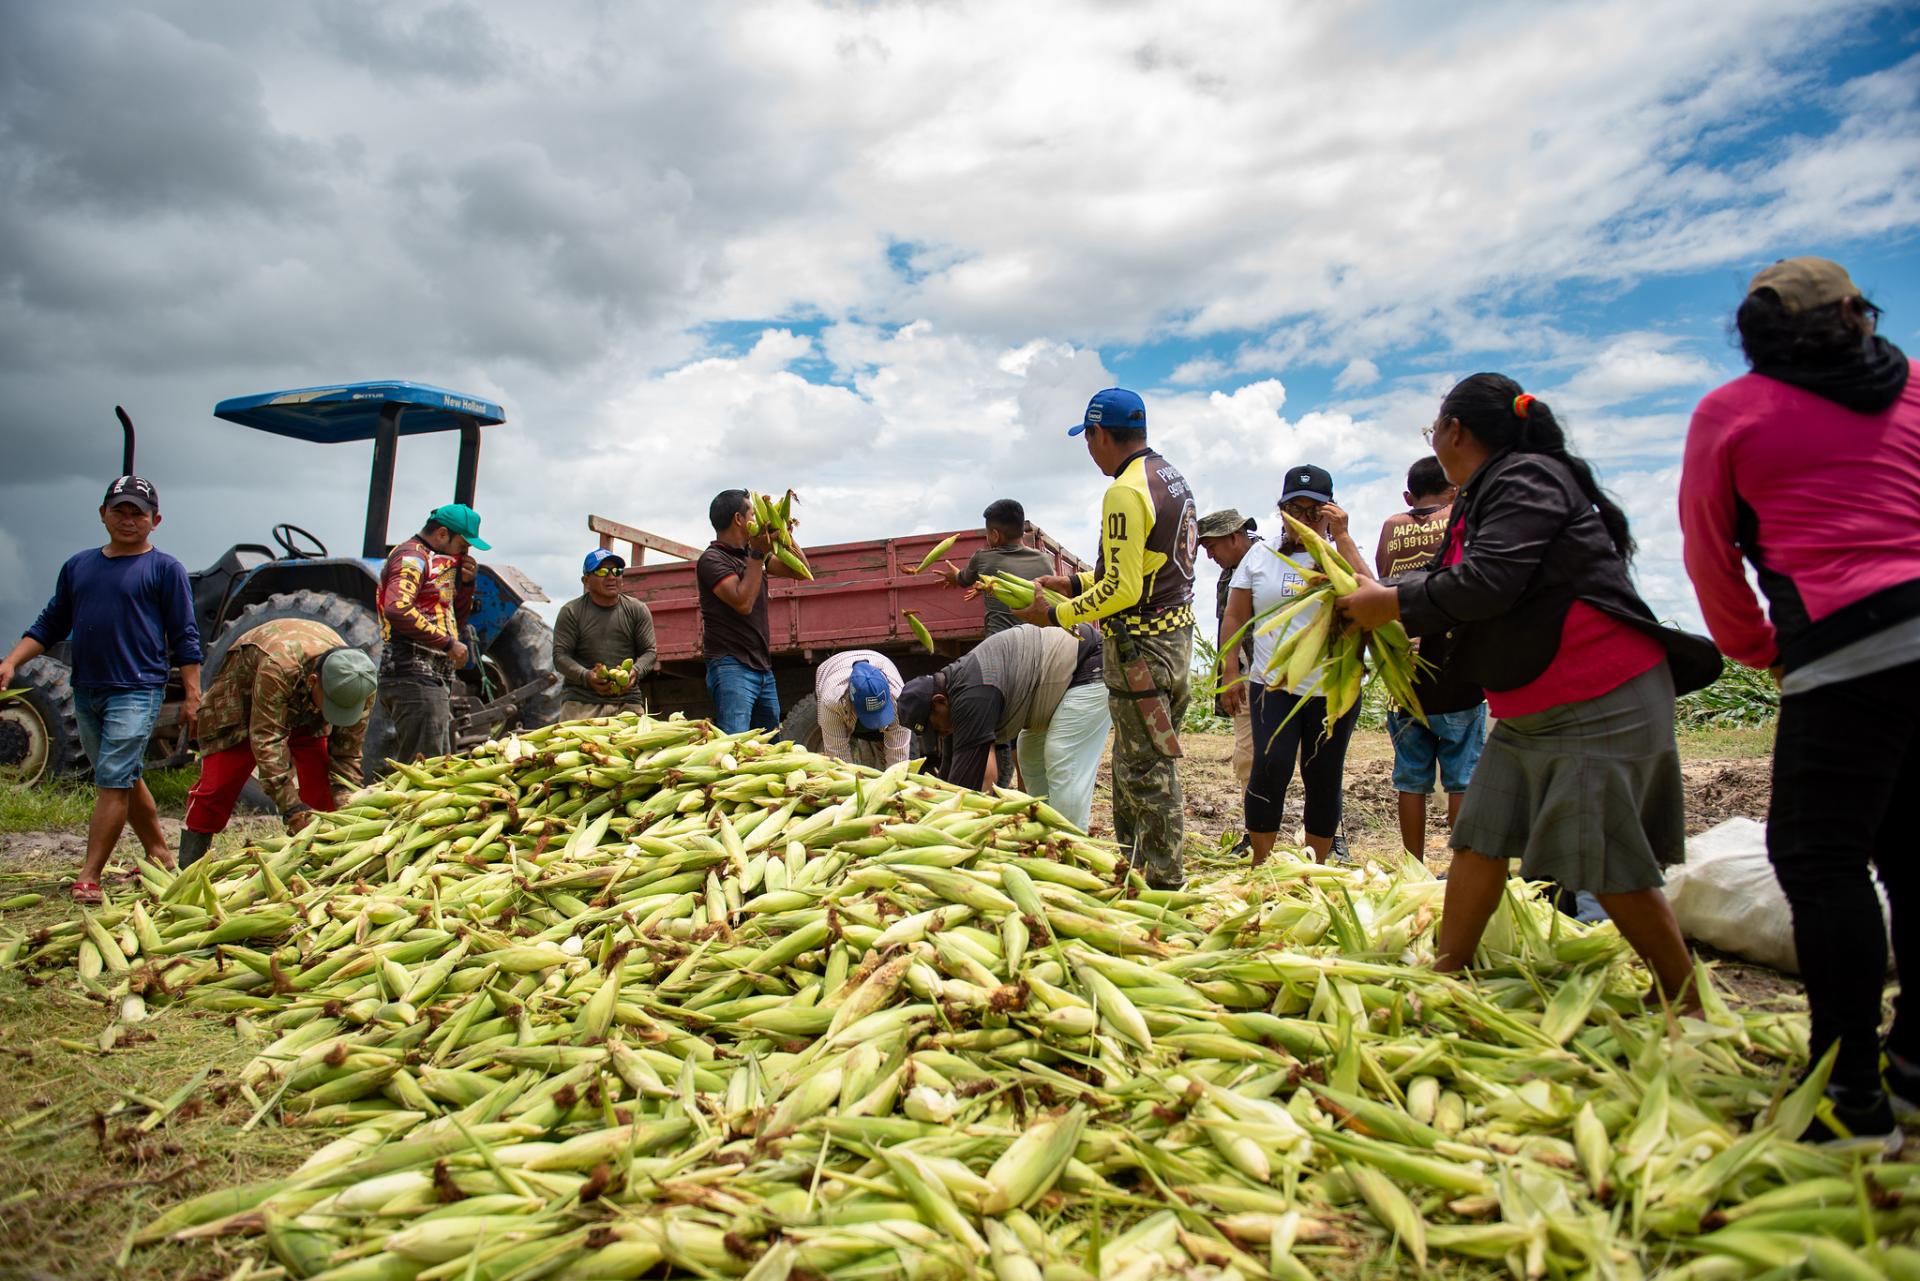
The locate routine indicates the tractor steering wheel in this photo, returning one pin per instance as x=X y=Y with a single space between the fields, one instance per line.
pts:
x=283 y=534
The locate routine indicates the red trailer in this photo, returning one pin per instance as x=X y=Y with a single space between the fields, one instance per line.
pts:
x=858 y=599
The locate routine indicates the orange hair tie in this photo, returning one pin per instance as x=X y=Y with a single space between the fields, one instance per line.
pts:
x=1520 y=404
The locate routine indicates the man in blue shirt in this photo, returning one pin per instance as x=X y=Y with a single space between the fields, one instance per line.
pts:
x=128 y=608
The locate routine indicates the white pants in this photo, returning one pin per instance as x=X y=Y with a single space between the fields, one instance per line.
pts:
x=1062 y=761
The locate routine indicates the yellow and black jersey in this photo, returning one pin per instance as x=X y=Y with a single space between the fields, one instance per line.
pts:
x=1143 y=576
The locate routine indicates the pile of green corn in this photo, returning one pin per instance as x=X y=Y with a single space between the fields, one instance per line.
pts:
x=632 y=998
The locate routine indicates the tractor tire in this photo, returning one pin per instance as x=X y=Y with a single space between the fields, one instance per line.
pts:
x=523 y=652
x=39 y=737
x=802 y=723
x=353 y=622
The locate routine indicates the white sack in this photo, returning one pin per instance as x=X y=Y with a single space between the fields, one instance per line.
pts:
x=1725 y=896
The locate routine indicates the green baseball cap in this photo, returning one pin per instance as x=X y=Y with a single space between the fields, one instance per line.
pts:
x=462 y=520
x=347 y=681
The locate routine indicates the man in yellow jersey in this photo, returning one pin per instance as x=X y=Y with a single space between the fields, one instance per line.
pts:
x=1141 y=594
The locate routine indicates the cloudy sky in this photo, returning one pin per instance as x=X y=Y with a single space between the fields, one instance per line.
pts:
x=883 y=252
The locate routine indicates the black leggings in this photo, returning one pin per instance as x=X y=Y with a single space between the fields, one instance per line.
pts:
x=1322 y=761
x=1846 y=764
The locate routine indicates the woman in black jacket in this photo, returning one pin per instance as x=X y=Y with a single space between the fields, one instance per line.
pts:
x=1580 y=779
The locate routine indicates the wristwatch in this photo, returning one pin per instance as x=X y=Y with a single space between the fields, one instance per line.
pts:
x=756 y=555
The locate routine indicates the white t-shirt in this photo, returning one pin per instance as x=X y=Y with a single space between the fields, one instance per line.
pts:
x=835 y=713
x=1273 y=582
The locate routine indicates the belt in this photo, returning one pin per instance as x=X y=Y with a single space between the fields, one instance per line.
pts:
x=1166 y=620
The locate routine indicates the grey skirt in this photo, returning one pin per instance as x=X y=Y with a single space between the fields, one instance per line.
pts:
x=1586 y=794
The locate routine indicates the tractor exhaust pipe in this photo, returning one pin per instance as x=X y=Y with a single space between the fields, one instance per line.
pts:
x=126 y=452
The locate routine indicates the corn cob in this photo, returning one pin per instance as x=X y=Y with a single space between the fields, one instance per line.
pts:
x=940 y=549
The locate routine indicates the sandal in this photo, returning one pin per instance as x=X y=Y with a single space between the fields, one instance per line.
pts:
x=85 y=891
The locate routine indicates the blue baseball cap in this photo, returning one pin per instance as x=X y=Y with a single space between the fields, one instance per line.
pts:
x=598 y=557
x=1116 y=409
x=872 y=700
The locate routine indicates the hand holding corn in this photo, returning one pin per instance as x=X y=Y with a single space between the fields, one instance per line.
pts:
x=773 y=520
x=618 y=679
x=1330 y=644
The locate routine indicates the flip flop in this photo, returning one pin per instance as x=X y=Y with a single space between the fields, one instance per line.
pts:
x=85 y=891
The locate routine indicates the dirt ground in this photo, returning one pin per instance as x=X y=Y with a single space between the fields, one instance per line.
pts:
x=1717 y=789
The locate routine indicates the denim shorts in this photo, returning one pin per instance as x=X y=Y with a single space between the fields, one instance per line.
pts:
x=1453 y=742
x=115 y=725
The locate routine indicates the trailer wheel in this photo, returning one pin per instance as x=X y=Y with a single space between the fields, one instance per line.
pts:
x=39 y=738
x=353 y=622
x=802 y=723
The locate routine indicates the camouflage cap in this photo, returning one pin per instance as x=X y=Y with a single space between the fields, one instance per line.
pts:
x=1227 y=520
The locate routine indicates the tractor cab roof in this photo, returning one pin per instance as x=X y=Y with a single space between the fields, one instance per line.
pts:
x=341 y=412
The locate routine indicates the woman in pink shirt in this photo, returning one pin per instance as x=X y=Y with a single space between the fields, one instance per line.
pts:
x=1580 y=780
x=1808 y=468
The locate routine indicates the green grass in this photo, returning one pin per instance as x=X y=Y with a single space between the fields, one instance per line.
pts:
x=66 y=806
x=1723 y=742
x=76 y=1172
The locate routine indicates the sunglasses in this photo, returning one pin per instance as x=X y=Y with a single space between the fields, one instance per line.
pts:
x=605 y=571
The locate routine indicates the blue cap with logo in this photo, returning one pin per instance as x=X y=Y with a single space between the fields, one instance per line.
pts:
x=872 y=700
x=1116 y=409
x=600 y=556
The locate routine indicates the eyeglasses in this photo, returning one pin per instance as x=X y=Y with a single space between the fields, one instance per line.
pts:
x=605 y=571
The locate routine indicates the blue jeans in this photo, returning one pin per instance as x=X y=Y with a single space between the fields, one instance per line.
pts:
x=743 y=698
x=115 y=725
x=1453 y=742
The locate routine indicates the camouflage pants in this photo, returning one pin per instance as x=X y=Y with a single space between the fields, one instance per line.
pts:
x=1148 y=814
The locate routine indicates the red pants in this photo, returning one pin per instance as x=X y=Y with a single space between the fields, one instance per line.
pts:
x=223 y=774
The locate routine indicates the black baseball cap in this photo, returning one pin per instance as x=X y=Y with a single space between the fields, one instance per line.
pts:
x=915 y=703
x=1307 y=481
x=132 y=489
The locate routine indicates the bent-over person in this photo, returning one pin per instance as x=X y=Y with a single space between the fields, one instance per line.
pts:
x=1040 y=686
x=854 y=693
x=291 y=703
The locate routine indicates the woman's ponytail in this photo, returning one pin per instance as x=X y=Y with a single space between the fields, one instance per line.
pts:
x=1501 y=416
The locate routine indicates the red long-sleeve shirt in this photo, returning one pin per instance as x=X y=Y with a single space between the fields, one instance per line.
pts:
x=423 y=606
x=1824 y=501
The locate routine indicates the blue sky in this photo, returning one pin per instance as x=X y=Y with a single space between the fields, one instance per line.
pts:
x=883 y=253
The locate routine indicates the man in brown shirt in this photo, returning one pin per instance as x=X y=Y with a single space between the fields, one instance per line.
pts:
x=602 y=627
x=1410 y=539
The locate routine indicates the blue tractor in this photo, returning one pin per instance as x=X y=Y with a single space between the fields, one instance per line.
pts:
x=510 y=681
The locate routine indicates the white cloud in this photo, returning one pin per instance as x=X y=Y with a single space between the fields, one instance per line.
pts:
x=1358 y=374
x=1198 y=371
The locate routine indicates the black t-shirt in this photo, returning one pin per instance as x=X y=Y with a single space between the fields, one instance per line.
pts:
x=1027 y=562
x=728 y=633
